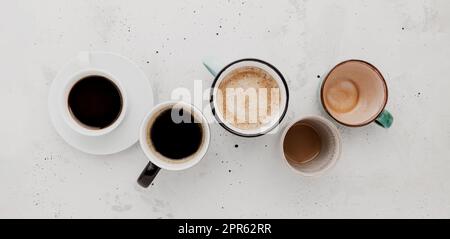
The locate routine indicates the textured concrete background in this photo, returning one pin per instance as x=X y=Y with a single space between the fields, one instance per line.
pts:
x=400 y=172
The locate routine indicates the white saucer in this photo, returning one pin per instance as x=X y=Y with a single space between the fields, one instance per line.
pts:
x=139 y=96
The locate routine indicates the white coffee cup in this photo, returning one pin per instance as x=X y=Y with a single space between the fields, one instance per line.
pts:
x=330 y=150
x=87 y=71
x=159 y=161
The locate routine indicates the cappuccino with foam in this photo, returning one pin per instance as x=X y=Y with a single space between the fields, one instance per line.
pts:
x=249 y=98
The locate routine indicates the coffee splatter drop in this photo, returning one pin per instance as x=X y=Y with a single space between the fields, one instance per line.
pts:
x=236 y=146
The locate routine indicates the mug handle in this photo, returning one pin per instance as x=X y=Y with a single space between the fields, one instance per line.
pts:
x=148 y=174
x=211 y=66
x=385 y=119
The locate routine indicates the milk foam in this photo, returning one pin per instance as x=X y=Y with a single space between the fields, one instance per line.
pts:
x=249 y=98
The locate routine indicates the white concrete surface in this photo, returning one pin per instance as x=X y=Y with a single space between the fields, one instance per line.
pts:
x=400 y=172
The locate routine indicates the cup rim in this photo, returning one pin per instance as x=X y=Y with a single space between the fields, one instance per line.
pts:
x=332 y=162
x=199 y=155
x=68 y=116
x=212 y=99
x=383 y=80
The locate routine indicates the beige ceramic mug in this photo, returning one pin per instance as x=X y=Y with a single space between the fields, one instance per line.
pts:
x=310 y=145
x=354 y=93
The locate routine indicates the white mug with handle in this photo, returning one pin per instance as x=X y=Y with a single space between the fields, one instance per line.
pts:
x=160 y=160
x=87 y=71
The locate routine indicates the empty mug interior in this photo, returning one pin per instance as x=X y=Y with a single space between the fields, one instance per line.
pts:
x=282 y=106
x=354 y=93
x=329 y=150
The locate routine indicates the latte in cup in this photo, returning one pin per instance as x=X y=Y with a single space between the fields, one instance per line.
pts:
x=249 y=98
x=311 y=145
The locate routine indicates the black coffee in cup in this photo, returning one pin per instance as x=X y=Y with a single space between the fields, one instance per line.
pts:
x=174 y=136
x=172 y=139
x=95 y=102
